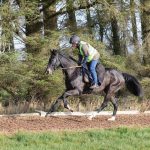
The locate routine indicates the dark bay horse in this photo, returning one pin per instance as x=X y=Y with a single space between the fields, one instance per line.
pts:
x=112 y=82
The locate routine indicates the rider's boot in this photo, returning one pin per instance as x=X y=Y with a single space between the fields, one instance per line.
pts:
x=85 y=78
x=94 y=86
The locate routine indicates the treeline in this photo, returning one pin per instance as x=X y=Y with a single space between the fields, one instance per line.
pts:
x=118 y=29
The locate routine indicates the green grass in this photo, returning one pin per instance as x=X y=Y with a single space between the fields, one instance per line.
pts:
x=110 y=139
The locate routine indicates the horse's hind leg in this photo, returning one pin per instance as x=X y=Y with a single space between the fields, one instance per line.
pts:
x=103 y=105
x=55 y=105
x=115 y=88
x=115 y=105
x=114 y=101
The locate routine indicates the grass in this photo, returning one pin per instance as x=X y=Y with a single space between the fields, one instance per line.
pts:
x=110 y=139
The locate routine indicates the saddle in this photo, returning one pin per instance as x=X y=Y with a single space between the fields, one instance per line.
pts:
x=87 y=78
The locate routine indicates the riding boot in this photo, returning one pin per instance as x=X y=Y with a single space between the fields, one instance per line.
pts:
x=85 y=78
x=94 y=86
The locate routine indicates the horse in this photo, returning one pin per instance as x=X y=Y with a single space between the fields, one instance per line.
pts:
x=112 y=81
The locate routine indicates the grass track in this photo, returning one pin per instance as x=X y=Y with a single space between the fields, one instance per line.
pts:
x=110 y=139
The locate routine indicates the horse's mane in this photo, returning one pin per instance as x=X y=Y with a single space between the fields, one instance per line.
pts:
x=73 y=59
x=77 y=71
x=68 y=57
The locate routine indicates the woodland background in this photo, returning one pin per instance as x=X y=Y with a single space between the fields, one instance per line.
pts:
x=118 y=29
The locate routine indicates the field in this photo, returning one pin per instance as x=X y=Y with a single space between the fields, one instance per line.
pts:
x=100 y=139
x=75 y=133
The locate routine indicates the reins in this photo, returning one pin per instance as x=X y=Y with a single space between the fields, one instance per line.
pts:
x=72 y=67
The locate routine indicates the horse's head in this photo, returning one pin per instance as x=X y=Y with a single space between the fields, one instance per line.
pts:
x=53 y=62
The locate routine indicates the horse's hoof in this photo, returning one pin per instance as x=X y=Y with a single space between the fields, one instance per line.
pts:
x=90 y=117
x=68 y=107
x=71 y=110
x=46 y=115
x=113 y=118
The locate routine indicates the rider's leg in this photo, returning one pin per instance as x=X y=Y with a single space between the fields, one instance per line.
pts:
x=93 y=72
x=86 y=74
x=84 y=69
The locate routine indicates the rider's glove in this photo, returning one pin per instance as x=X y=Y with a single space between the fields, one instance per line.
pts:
x=84 y=61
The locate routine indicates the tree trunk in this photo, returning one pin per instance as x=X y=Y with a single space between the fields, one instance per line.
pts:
x=89 y=19
x=134 y=24
x=72 y=25
x=124 y=30
x=50 y=23
x=145 y=18
x=115 y=37
x=101 y=23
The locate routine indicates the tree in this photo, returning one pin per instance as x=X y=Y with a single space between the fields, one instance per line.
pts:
x=50 y=23
x=134 y=24
x=30 y=9
x=115 y=31
x=145 y=19
x=115 y=37
x=72 y=26
x=7 y=18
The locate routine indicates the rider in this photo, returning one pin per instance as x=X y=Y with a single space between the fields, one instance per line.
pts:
x=88 y=56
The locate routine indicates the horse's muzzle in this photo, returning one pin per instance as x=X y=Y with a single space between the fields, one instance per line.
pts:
x=49 y=71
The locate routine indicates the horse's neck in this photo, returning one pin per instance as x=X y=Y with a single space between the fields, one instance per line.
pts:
x=67 y=63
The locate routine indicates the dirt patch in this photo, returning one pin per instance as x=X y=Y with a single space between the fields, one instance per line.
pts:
x=15 y=124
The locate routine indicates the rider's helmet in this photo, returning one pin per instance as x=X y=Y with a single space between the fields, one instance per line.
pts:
x=74 y=40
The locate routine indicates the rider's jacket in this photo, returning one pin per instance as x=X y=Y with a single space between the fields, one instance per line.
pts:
x=88 y=50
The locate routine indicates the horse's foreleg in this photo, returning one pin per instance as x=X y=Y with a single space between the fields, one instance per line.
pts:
x=67 y=94
x=63 y=97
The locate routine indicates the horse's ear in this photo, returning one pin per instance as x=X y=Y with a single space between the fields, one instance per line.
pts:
x=53 y=50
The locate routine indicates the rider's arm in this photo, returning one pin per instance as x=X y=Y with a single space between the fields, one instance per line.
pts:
x=86 y=54
x=80 y=59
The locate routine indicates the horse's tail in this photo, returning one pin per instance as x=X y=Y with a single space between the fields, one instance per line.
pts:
x=133 y=85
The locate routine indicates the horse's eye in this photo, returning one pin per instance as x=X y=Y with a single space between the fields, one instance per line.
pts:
x=53 y=65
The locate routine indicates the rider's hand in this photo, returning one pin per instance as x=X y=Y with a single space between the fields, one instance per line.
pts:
x=85 y=60
x=83 y=65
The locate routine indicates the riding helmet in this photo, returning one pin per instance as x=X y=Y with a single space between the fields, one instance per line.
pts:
x=74 y=40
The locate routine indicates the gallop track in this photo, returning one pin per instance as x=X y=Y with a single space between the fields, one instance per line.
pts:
x=13 y=124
